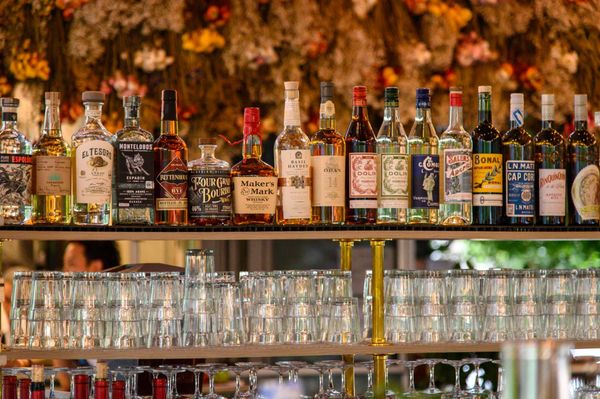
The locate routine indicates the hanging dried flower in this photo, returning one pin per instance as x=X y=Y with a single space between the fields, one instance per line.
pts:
x=216 y=15
x=202 y=40
x=5 y=86
x=363 y=7
x=123 y=85
x=69 y=7
x=152 y=59
x=28 y=64
x=472 y=49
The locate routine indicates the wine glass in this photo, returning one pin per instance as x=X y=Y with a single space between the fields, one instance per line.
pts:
x=457 y=364
x=431 y=389
x=410 y=365
x=51 y=373
x=477 y=362
x=369 y=393
x=171 y=372
x=211 y=369
x=331 y=392
x=252 y=368
x=197 y=372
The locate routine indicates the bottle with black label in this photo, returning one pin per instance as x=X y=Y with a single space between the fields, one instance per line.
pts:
x=133 y=195
x=209 y=187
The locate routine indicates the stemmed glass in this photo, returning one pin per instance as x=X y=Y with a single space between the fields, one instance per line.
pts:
x=171 y=373
x=330 y=392
x=51 y=373
x=410 y=366
x=237 y=371
x=500 y=383
x=321 y=369
x=293 y=368
x=457 y=364
x=477 y=362
x=197 y=373
x=130 y=376
x=211 y=369
x=252 y=368
x=431 y=389
x=369 y=393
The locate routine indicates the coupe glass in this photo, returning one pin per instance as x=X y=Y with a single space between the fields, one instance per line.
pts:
x=457 y=364
x=210 y=369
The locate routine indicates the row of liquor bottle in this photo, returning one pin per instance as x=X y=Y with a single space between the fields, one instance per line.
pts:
x=455 y=179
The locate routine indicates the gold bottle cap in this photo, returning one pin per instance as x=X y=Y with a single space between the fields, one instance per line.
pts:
x=37 y=373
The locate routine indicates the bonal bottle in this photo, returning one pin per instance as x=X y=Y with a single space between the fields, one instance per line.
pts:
x=133 y=197
x=93 y=157
x=38 y=386
x=551 y=174
x=15 y=167
x=170 y=167
x=583 y=172
x=519 y=167
x=424 y=164
x=209 y=187
x=292 y=164
x=254 y=181
x=456 y=166
x=51 y=198
x=362 y=163
x=392 y=174
x=328 y=163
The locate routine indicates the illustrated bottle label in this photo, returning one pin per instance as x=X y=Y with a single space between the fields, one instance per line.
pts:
x=254 y=195
x=458 y=176
x=294 y=183
x=425 y=191
x=553 y=192
x=363 y=180
x=487 y=179
x=328 y=180
x=393 y=171
x=93 y=172
x=209 y=194
x=52 y=175
x=584 y=193
x=172 y=186
x=520 y=177
x=15 y=183
x=134 y=175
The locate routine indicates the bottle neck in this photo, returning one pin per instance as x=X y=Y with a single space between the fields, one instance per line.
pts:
x=359 y=109
x=547 y=116
x=327 y=115
x=169 y=127
x=516 y=115
x=581 y=125
x=291 y=112
x=52 y=120
x=252 y=146
x=93 y=113
x=423 y=115
x=132 y=117
x=391 y=112
x=456 y=118
x=207 y=151
x=484 y=113
x=9 y=119
x=581 y=117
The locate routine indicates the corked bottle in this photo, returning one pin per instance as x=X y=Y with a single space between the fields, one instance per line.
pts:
x=101 y=382
x=38 y=388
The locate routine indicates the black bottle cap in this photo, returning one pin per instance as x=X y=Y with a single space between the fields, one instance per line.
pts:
x=326 y=91
x=169 y=105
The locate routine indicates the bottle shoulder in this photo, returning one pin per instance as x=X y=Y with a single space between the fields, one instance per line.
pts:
x=329 y=135
x=134 y=134
x=210 y=163
x=360 y=129
x=549 y=136
x=12 y=141
x=292 y=139
x=56 y=145
x=486 y=131
x=167 y=141
x=518 y=136
x=583 y=137
x=252 y=167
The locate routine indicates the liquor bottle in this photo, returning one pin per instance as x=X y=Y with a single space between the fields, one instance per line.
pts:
x=456 y=166
x=328 y=163
x=254 y=181
x=101 y=381
x=9 y=386
x=361 y=182
x=118 y=389
x=519 y=167
x=487 y=164
x=292 y=164
x=392 y=173
x=92 y=165
x=51 y=191
x=209 y=187
x=583 y=172
x=159 y=388
x=81 y=386
x=24 y=388
x=170 y=167
x=424 y=164
x=133 y=196
x=551 y=174
x=15 y=167
x=38 y=386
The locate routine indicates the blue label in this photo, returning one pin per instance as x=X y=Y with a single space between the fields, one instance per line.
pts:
x=425 y=187
x=520 y=179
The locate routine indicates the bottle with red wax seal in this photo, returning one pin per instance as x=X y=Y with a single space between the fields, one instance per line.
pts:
x=38 y=388
x=81 y=386
x=9 y=387
x=118 y=389
x=101 y=381
x=24 y=388
x=159 y=388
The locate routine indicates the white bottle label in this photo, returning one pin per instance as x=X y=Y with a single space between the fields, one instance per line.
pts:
x=294 y=183
x=93 y=172
x=553 y=192
x=363 y=180
x=584 y=192
x=254 y=195
x=329 y=187
x=393 y=190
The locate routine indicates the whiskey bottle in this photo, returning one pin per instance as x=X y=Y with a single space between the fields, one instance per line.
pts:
x=209 y=187
x=392 y=153
x=133 y=196
x=583 y=172
x=92 y=165
x=519 y=167
x=292 y=164
x=361 y=205
x=456 y=166
x=328 y=163
x=550 y=171
x=424 y=164
x=170 y=167
x=15 y=167
x=487 y=164
x=254 y=181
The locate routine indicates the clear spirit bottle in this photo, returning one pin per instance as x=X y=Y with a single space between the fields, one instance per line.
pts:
x=424 y=164
x=93 y=157
x=133 y=195
x=392 y=176
x=209 y=187
x=15 y=168
x=456 y=167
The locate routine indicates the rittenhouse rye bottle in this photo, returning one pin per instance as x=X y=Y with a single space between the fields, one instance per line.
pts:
x=209 y=187
x=424 y=164
x=328 y=163
x=254 y=181
x=583 y=172
x=93 y=157
x=455 y=167
x=392 y=174
x=487 y=164
x=519 y=167
x=362 y=163
x=292 y=164
x=170 y=167
x=15 y=167
x=550 y=171
x=133 y=196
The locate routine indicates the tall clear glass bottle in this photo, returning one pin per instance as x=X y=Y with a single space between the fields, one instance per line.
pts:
x=328 y=163
x=133 y=188
x=93 y=157
x=392 y=150
x=456 y=167
x=15 y=167
x=424 y=164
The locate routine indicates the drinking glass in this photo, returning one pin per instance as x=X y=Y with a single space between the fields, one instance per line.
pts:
x=457 y=364
x=130 y=376
x=45 y=311
x=210 y=369
x=124 y=319
x=199 y=263
x=399 y=306
x=199 y=316
x=88 y=324
x=369 y=393
x=266 y=323
x=321 y=370
x=170 y=372
x=498 y=299
x=587 y=324
x=559 y=304
x=432 y=304
x=527 y=314
x=500 y=379
x=19 y=309
x=221 y=277
x=587 y=392
x=431 y=363
x=229 y=320
x=337 y=284
x=238 y=394
x=299 y=285
x=477 y=362
x=165 y=310
x=252 y=368
x=343 y=321
x=367 y=307
x=410 y=365
x=301 y=322
x=463 y=286
x=330 y=392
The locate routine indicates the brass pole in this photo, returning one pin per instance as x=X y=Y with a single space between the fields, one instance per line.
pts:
x=378 y=338
x=346 y=264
